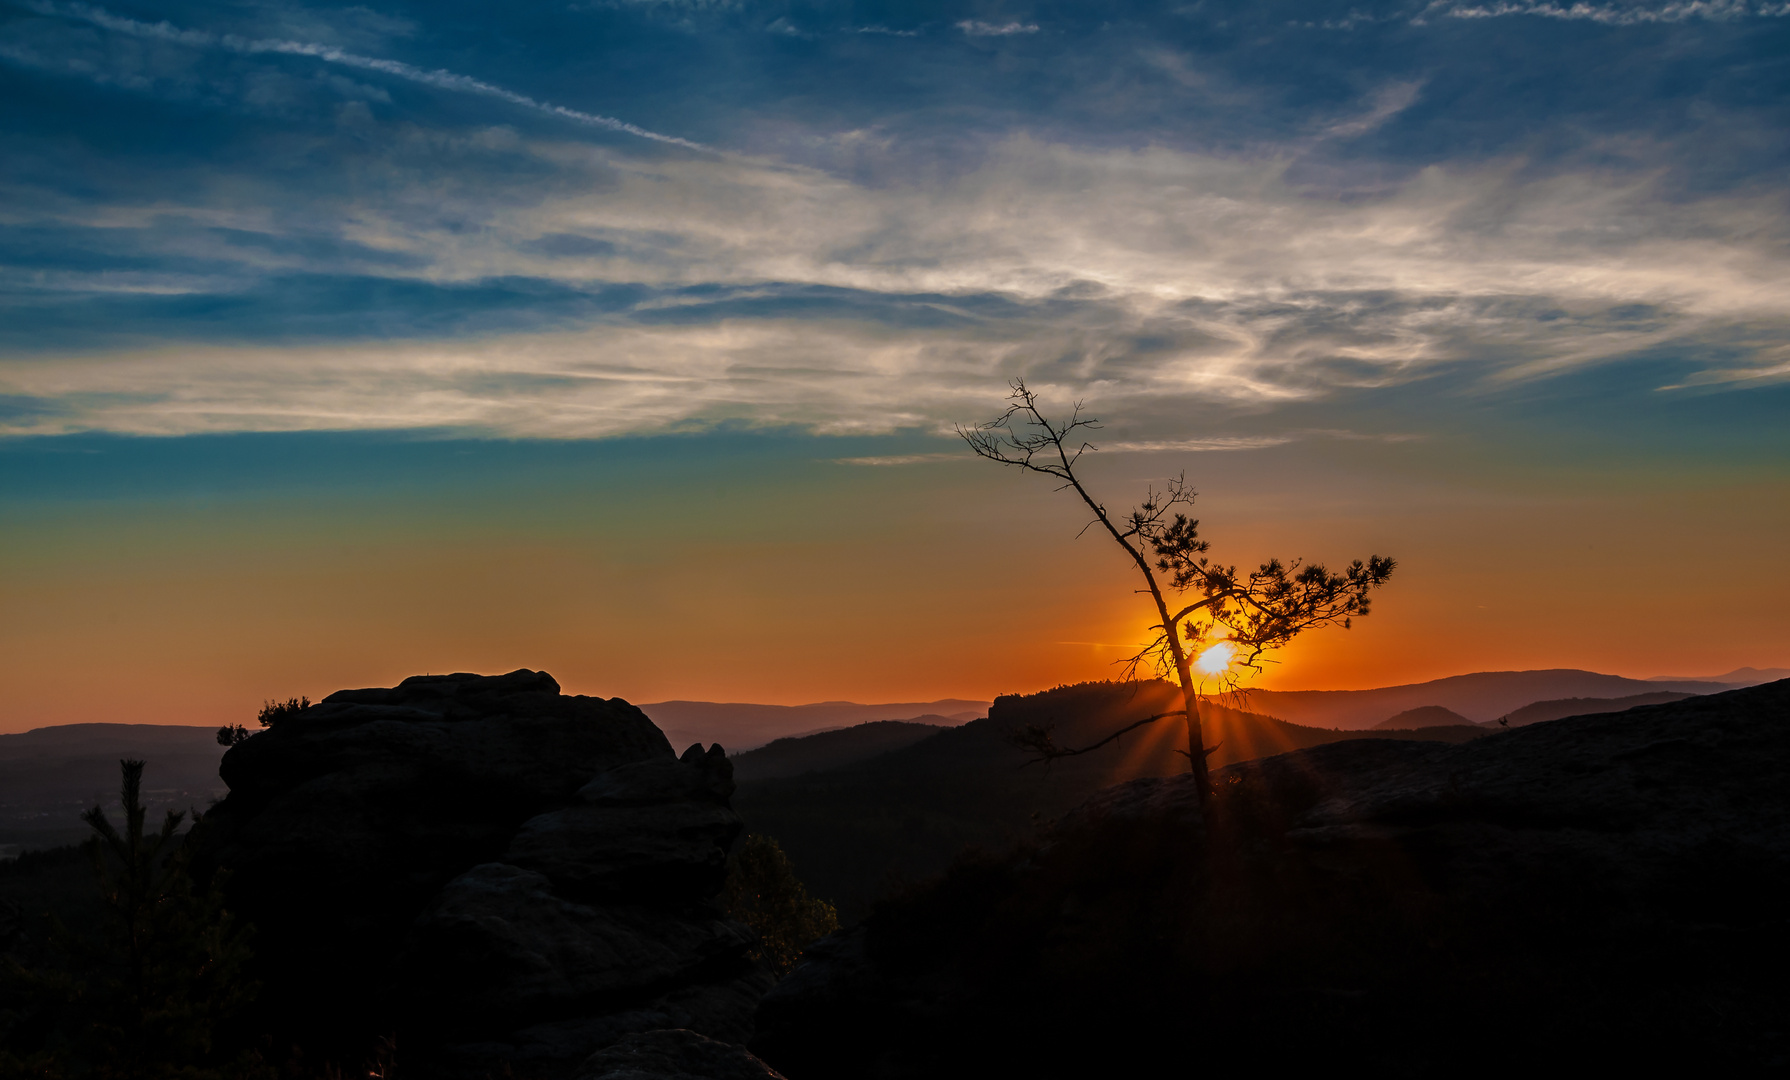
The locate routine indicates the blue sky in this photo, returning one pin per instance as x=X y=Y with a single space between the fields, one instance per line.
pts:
x=1471 y=247
x=347 y=217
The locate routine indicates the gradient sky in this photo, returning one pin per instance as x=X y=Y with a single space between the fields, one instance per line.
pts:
x=625 y=339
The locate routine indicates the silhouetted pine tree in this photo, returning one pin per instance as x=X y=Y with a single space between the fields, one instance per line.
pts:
x=146 y=990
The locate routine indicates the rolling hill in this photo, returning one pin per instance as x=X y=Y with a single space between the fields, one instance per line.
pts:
x=741 y=726
x=1542 y=711
x=1421 y=717
x=795 y=755
x=1480 y=697
x=1746 y=676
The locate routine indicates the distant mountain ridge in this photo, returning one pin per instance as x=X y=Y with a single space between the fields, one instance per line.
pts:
x=1421 y=717
x=740 y=726
x=109 y=738
x=1543 y=711
x=1480 y=697
x=49 y=775
x=795 y=755
x=1746 y=676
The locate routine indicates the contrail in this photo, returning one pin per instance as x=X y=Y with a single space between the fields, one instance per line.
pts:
x=444 y=80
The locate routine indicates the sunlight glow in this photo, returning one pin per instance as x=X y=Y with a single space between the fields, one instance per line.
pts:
x=1214 y=660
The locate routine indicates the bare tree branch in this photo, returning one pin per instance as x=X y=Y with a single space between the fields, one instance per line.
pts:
x=1038 y=739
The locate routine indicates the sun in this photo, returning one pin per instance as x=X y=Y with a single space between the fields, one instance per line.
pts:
x=1215 y=659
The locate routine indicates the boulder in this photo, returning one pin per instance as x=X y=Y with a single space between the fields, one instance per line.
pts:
x=708 y=777
x=506 y=876
x=647 y=829
x=500 y=946
x=608 y=852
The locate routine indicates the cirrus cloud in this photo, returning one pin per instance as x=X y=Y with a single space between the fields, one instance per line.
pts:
x=522 y=277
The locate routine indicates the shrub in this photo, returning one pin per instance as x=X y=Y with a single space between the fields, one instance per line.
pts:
x=762 y=891
x=272 y=712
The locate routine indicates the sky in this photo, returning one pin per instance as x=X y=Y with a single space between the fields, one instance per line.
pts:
x=628 y=339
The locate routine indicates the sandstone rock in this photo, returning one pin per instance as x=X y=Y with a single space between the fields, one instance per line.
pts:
x=604 y=852
x=499 y=946
x=705 y=777
x=499 y=870
x=674 y=1055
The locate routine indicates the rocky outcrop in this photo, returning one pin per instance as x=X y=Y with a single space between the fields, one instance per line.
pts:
x=505 y=876
x=1602 y=891
x=674 y=1055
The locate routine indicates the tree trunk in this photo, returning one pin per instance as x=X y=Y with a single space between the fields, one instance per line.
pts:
x=1196 y=740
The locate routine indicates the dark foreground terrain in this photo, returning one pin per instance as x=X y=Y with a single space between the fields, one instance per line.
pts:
x=1601 y=893
x=466 y=877
x=858 y=830
x=491 y=877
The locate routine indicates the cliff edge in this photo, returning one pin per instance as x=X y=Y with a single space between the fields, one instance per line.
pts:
x=500 y=875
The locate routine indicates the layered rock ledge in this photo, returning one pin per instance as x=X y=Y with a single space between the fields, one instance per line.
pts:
x=504 y=876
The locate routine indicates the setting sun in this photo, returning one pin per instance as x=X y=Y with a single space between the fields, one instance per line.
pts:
x=1214 y=660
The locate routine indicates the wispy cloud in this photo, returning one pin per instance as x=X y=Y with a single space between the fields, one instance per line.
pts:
x=531 y=281
x=1618 y=15
x=439 y=79
x=1387 y=103
x=1221 y=443
x=978 y=28
x=761 y=293
x=1231 y=442
x=897 y=459
x=1769 y=366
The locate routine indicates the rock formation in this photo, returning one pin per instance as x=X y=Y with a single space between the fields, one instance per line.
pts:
x=504 y=876
x=674 y=1055
x=1602 y=892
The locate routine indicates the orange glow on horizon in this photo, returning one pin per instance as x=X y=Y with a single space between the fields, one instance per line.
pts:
x=196 y=613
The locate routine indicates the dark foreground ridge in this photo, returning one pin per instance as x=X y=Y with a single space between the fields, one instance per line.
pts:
x=505 y=877
x=833 y=749
x=1597 y=892
x=904 y=814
